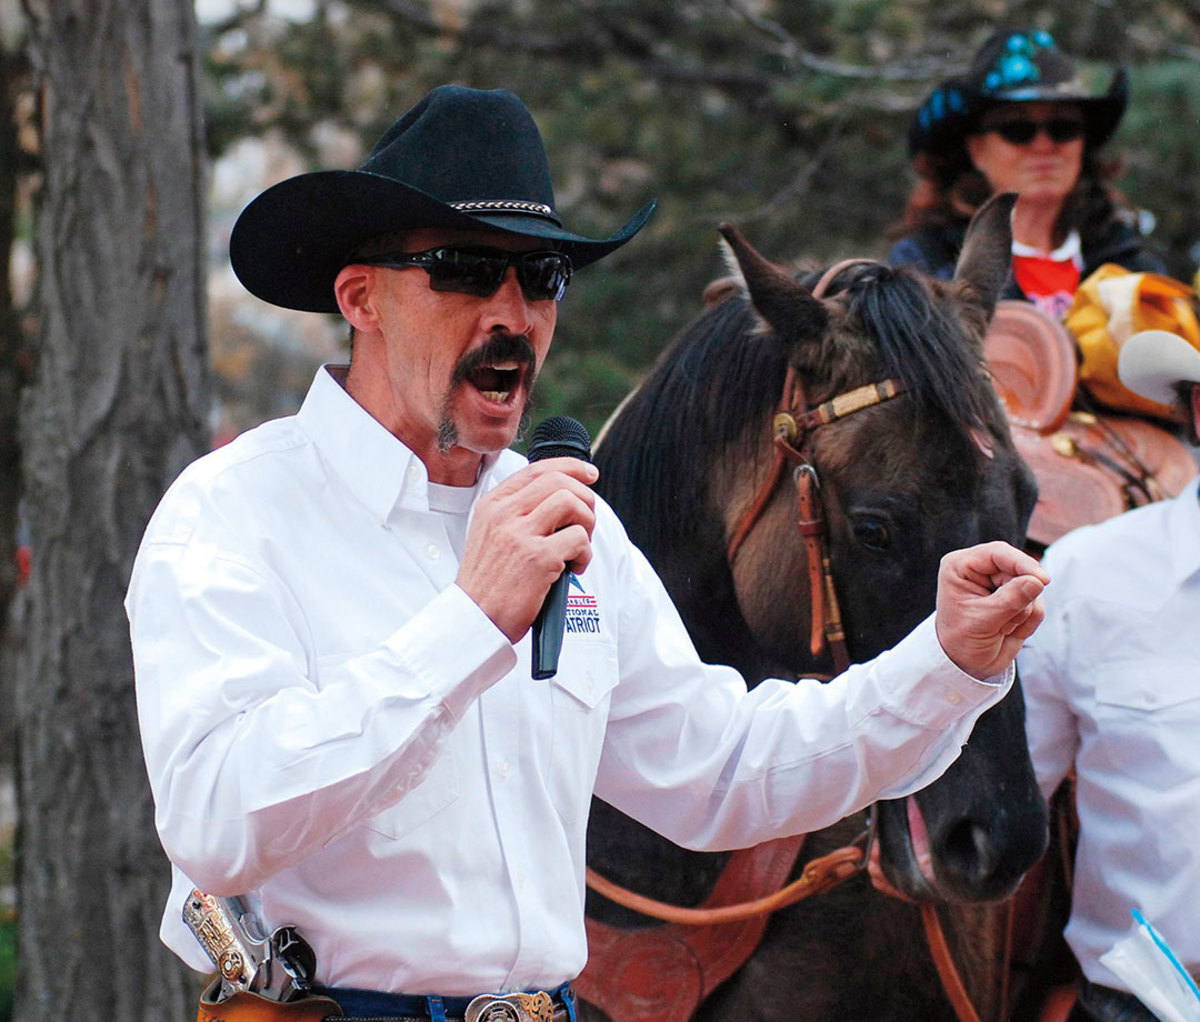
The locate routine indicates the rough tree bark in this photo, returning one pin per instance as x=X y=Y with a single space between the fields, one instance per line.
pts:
x=116 y=407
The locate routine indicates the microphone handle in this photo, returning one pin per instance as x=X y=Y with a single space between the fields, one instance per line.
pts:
x=548 y=628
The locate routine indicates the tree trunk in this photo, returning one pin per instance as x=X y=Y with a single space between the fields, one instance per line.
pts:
x=13 y=371
x=117 y=406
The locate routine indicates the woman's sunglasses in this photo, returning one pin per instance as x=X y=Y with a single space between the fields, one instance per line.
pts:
x=1023 y=131
x=543 y=275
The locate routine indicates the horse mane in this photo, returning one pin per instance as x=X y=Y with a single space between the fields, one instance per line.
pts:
x=726 y=372
x=897 y=305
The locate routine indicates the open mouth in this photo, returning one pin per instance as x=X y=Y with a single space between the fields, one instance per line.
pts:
x=905 y=851
x=500 y=369
x=919 y=840
x=497 y=381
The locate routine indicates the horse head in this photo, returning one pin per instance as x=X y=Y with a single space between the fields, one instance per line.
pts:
x=901 y=481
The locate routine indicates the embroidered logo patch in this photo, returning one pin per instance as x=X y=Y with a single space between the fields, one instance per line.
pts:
x=583 y=613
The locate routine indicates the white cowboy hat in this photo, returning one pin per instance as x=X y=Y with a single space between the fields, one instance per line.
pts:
x=1153 y=361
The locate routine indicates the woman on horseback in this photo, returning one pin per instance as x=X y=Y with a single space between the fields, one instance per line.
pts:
x=1021 y=120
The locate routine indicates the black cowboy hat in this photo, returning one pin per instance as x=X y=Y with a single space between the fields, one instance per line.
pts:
x=1013 y=67
x=460 y=158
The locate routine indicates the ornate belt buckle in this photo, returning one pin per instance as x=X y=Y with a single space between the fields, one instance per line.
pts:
x=537 y=1007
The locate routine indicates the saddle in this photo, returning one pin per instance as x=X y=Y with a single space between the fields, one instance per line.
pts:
x=1090 y=463
x=662 y=973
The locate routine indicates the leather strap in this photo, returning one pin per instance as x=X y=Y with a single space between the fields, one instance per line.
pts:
x=248 y=1007
x=947 y=973
x=792 y=430
x=819 y=875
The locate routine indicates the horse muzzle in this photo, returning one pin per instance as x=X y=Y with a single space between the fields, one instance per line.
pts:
x=957 y=860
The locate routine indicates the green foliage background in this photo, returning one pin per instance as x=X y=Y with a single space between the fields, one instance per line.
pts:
x=785 y=117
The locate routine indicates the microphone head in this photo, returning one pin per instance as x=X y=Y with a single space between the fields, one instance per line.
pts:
x=559 y=436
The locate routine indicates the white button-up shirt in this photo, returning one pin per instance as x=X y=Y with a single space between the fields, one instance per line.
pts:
x=1112 y=684
x=330 y=723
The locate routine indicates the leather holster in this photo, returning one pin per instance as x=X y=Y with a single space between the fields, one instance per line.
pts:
x=248 y=1007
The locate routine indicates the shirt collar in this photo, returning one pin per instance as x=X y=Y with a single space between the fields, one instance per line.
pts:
x=1071 y=249
x=379 y=469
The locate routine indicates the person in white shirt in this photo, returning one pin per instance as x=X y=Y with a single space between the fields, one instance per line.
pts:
x=1112 y=688
x=330 y=616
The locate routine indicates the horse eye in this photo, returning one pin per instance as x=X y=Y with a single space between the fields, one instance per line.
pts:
x=872 y=534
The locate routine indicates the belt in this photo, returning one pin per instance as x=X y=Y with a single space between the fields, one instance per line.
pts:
x=533 y=1006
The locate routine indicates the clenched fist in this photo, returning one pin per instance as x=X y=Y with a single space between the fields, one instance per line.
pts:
x=988 y=604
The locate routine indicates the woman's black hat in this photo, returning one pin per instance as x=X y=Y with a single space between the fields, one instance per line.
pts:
x=460 y=158
x=1013 y=67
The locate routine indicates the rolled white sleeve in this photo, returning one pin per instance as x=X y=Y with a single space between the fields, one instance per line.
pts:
x=782 y=758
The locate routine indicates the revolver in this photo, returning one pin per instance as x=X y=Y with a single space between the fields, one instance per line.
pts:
x=279 y=967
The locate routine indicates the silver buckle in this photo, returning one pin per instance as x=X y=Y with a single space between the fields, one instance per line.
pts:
x=537 y=1007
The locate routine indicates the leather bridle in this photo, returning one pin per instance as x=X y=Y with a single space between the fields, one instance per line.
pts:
x=794 y=425
x=793 y=428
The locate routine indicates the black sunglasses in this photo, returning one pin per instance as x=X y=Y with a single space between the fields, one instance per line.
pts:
x=1023 y=131
x=543 y=275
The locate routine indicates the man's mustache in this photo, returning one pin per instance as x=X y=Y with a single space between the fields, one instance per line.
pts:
x=499 y=347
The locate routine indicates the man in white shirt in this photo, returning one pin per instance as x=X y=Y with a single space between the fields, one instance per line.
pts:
x=330 y=616
x=1112 y=688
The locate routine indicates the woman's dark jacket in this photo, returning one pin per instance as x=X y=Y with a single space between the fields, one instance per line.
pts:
x=935 y=250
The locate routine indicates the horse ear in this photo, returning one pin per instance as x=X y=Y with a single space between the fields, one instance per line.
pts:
x=986 y=258
x=733 y=283
x=789 y=309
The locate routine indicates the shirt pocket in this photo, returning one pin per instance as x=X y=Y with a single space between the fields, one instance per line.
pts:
x=579 y=696
x=1147 y=718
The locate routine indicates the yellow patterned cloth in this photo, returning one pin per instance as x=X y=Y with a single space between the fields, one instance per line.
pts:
x=1110 y=307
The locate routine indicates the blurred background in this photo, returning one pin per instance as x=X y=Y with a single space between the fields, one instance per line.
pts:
x=785 y=117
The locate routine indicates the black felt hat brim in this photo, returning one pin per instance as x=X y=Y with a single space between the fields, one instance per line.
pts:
x=290 y=243
x=1101 y=114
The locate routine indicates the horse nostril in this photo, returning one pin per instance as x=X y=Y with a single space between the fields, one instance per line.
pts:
x=968 y=852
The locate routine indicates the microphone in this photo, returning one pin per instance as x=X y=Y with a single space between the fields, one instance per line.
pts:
x=557 y=437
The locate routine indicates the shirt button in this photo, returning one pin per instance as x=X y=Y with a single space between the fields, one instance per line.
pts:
x=502 y=768
x=413 y=473
x=432 y=552
x=954 y=697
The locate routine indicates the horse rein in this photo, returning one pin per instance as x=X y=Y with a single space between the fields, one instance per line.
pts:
x=794 y=425
x=818 y=876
